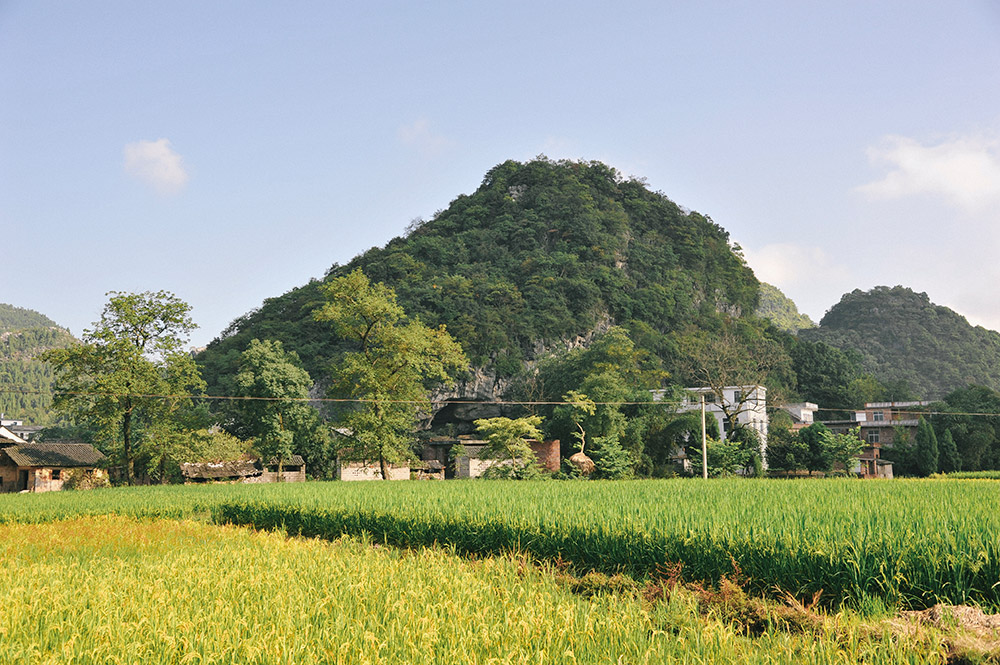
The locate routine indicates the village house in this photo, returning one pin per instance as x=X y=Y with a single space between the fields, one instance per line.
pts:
x=749 y=403
x=879 y=425
x=802 y=414
x=42 y=467
x=356 y=470
x=471 y=464
x=25 y=432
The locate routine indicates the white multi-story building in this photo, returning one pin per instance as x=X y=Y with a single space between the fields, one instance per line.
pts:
x=748 y=402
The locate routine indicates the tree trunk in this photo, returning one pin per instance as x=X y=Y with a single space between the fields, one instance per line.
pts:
x=383 y=467
x=127 y=441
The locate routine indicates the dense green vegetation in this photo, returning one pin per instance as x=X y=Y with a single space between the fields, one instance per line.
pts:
x=25 y=382
x=777 y=308
x=18 y=318
x=905 y=339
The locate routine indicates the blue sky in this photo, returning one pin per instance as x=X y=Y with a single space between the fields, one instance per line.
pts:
x=230 y=151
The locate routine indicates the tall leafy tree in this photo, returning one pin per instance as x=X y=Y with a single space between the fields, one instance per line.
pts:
x=275 y=415
x=130 y=373
x=819 y=442
x=786 y=451
x=949 y=459
x=846 y=448
x=509 y=441
x=393 y=363
x=615 y=376
x=926 y=449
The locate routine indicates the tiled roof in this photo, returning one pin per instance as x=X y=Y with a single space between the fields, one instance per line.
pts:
x=54 y=454
x=216 y=470
x=294 y=460
x=7 y=437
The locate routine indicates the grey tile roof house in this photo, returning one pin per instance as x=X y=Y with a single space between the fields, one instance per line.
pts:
x=39 y=467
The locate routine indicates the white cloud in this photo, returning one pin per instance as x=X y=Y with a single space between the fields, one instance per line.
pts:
x=963 y=170
x=156 y=164
x=418 y=135
x=786 y=264
x=807 y=274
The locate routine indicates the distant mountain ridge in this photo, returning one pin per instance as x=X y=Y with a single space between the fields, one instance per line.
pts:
x=26 y=383
x=903 y=337
x=19 y=318
x=780 y=310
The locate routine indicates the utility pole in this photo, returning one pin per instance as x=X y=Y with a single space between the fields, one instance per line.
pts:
x=704 y=441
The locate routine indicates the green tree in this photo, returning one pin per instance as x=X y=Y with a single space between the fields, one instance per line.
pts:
x=786 y=451
x=130 y=372
x=724 y=457
x=393 y=364
x=949 y=459
x=926 y=449
x=614 y=376
x=508 y=440
x=819 y=442
x=846 y=448
x=275 y=414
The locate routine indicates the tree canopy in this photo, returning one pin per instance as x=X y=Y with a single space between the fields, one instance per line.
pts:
x=129 y=374
x=391 y=364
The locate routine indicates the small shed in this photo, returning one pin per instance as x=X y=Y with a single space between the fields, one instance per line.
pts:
x=40 y=467
x=293 y=470
x=207 y=472
x=473 y=464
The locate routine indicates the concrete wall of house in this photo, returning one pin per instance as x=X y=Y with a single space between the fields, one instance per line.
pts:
x=8 y=478
x=474 y=467
x=298 y=476
x=360 y=471
x=45 y=480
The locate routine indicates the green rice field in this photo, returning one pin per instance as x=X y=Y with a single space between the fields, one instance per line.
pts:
x=905 y=544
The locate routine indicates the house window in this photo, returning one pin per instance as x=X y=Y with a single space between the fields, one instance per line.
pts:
x=710 y=398
x=56 y=474
x=878 y=416
x=737 y=396
x=873 y=437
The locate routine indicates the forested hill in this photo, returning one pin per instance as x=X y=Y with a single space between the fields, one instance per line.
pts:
x=25 y=383
x=903 y=337
x=18 y=318
x=541 y=253
x=780 y=310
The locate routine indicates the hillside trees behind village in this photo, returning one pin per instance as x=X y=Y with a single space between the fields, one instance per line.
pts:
x=916 y=348
x=274 y=412
x=26 y=381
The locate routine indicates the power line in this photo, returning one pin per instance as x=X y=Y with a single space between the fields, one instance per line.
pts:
x=358 y=400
